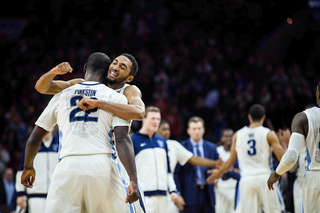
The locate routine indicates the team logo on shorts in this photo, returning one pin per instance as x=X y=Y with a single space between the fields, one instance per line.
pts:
x=160 y=142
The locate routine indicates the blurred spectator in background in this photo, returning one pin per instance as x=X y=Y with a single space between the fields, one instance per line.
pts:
x=6 y=187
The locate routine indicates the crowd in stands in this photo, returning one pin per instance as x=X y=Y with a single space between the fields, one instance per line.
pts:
x=195 y=58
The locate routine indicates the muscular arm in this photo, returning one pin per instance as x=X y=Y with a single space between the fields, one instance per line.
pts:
x=273 y=140
x=125 y=150
x=133 y=111
x=127 y=157
x=135 y=108
x=32 y=148
x=33 y=145
x=46 y=84
x=299 y=129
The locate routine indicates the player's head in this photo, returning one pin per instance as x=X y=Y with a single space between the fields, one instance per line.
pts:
x=318 y=94
x=164 y=129
x=256 y=113
x=97 y=64
x=226 y=137
x=122 y=69
x=196 y=128
x=151 y=119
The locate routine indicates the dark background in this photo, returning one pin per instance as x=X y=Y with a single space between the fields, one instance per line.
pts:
x=213 y=59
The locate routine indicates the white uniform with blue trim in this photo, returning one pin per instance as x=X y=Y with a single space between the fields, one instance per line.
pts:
x=153 y=168
x=254 y=154
x=87 y=178
x=311 y=181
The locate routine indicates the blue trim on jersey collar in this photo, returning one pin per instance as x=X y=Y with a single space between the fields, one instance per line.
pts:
x=89 y=84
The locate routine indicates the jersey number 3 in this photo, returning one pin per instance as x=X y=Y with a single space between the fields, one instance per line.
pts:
x=86 y=118
x=252 y=149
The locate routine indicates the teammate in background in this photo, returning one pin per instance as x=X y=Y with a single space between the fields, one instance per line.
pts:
x=226 y=187
x=179 y=154
x=252 y=145
x=87 y=178
x=121 y=72
x=44 y=163
x=305 y=129
x=153 y=163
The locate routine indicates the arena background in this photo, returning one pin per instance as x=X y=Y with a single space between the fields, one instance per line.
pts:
x=213 y=59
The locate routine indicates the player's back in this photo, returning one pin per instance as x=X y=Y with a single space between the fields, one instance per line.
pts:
x=313 y=139
x=89 y=132
x=253 y=151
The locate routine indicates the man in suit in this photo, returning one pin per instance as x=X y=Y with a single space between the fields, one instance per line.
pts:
x=191 y=180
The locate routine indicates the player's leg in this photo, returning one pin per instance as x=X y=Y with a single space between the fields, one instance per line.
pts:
x=36 y=204
x=248 y=200
x=66 y=188
x=271 y=200
x=311 y=192
x=297 y=195
x=104 y=190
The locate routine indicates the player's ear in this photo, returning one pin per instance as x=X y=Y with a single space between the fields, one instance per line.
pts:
x=84 y=68
x=129 y=78
x=249 y=118
x=263 y=118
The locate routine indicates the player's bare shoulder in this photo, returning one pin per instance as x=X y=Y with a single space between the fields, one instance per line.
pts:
x=132 y=90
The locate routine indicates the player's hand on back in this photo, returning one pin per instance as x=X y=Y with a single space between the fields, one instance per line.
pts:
x=87 y=103
x=132 y=192
x=274 y=177
x=62 y=68
x=28 y=177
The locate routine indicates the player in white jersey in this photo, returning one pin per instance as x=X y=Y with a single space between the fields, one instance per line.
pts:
x=86 y=179
x=305 y=129
x=252 y=145
x=121 y=71
x=179 y=154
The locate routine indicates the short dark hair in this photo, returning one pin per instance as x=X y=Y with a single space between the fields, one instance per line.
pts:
x=98 y=61
x=256 y=112
x=134 y=66
x=195 y=119
x=163 y=122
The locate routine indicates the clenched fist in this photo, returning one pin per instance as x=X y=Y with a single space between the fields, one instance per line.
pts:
x=62 y=68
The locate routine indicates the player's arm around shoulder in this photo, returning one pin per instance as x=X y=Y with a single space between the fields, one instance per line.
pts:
x=134 y=97
x=46 y=84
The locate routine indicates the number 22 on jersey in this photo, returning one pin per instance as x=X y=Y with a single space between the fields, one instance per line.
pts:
x=73 y=114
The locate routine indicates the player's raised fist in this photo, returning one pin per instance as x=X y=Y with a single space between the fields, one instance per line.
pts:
x=62 y=68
